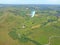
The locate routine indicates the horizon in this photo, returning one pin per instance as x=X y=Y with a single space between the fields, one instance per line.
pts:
x=29 y=4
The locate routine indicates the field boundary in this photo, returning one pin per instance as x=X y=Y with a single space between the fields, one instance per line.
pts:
x=50 y=39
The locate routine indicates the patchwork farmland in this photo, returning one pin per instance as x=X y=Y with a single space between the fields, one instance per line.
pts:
x=17 y=27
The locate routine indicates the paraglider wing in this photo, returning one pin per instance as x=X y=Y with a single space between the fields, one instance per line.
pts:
x=33 y=13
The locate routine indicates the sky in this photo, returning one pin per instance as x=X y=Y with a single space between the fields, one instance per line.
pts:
x=29 y=1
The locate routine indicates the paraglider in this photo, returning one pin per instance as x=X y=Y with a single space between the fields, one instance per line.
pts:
x=33 y=13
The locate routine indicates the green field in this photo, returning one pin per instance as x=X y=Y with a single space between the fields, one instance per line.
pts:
x=17 y=27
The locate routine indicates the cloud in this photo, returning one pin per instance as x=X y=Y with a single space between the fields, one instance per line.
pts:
x=53 y=1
